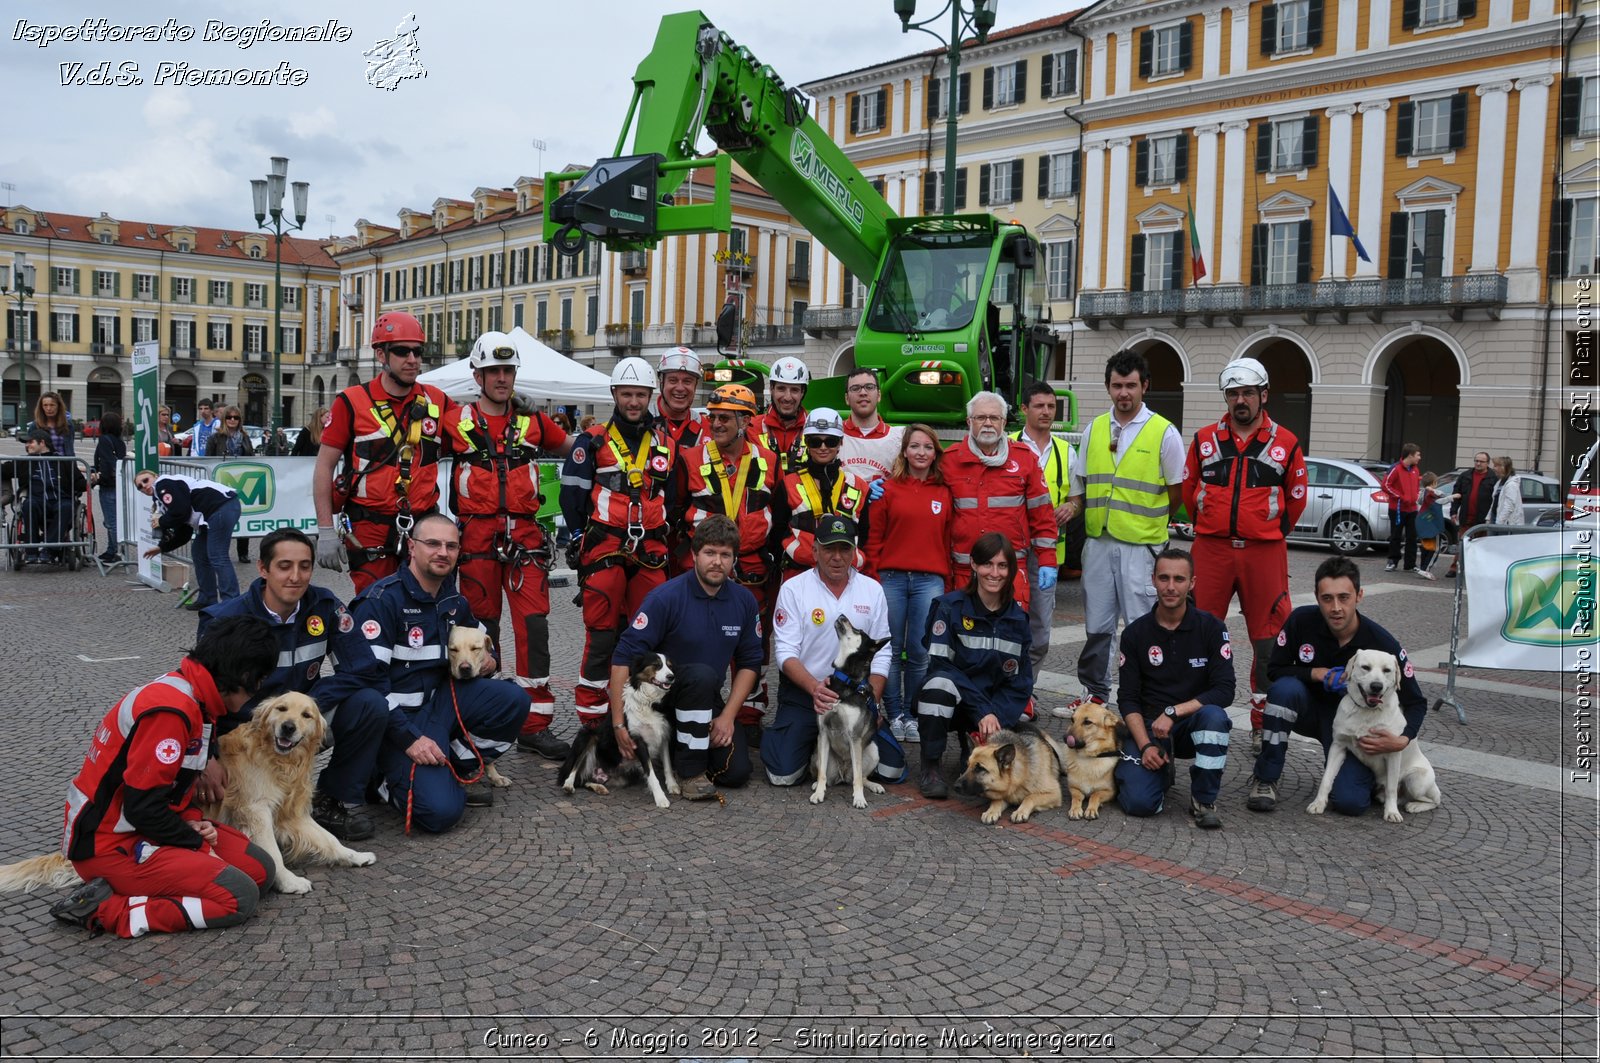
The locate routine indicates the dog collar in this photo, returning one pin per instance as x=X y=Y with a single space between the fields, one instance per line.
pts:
x=851 y=685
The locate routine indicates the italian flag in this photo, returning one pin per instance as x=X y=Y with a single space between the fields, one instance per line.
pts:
x=1196 y=261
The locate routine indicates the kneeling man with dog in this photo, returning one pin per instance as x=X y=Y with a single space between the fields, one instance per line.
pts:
x=704 y=622
x=1307 y=670
x=806 y=643
x=1175 y=680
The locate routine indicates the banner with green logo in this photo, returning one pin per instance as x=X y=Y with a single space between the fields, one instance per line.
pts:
x=146 y=386
x=1531 y=601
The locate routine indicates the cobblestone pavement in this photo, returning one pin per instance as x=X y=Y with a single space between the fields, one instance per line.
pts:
x=557 y=927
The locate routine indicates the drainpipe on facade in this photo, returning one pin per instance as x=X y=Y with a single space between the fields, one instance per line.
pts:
x=505 y=260
x=1083 y=66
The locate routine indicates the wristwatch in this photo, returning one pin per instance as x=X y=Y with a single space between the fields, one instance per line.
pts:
x=1170 y=710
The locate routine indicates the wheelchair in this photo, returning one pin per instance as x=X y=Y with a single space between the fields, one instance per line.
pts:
x=14 y=530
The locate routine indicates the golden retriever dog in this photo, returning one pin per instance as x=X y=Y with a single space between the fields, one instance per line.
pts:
x=1094 y=744
x=1371 y=680
x=1022 y=767
x=268 y=796
x=468 y=654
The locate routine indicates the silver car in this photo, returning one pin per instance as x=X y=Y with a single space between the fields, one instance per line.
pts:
x=1346 y=507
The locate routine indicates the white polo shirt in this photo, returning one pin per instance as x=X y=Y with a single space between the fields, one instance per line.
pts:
x=802 y=622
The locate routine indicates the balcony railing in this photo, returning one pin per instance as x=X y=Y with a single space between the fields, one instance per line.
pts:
x=1477 y=291
x=773 y=335
x=348 y=355
x=184 y=354
x=30 y=346
x=259 y=356
x=800 y=274
x=320 y=358
x=353 y=300
x=825 y=319
x=109 y=351
x=634 y=261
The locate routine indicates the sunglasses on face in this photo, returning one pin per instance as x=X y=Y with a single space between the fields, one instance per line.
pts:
x=405 y=352
x=818 y=442
x=231 y=417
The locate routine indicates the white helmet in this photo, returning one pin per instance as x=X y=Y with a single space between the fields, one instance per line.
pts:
x=492 y=349
x=1244 y=373
x=633 y=372
x=790 y=370
x=680 y=360
x=823 y=422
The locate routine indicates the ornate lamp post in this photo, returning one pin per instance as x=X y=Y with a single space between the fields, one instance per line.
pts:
x=22 y=287
x=971 y=16
x=268 y=195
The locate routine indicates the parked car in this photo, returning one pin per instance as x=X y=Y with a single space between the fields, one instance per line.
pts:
x=1346 y=508
x=258 y=436
x=1541 y=495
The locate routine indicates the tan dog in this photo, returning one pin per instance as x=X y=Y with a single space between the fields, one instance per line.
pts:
x=1022 y=767
x=468 y=655
x=268 y=796
x=1094 y=744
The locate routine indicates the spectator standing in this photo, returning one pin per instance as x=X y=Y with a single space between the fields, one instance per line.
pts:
x=914 y=513
x=204 y=424
x=1244 y=484
x=310 y=438
x=1127 y=482
x=1403 y=485
x=1430 y=525
x=996 y=486
x=229 y=440
x=870 y=444
x=1506 y=507
x=50 y=416
x=109 y=449
x=1474 y=494
x=1054 y=456
x=166 y=435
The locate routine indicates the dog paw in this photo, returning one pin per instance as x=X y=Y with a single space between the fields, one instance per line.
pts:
x=1317 y=807
x=289 y=882
x=1392 y=815
x=662 y=802
x=1420 y=806
x=496 y=779
x=989 y=816
x=674 y=789
x=1074 y=813
x=874 y=787
x=858 y=801
x=359 y=859
x=1019 y=816
x=1091 y=813
x=818 y=792
x=597 y=788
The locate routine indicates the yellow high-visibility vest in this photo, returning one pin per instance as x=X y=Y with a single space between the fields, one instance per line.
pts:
x=1129 y=499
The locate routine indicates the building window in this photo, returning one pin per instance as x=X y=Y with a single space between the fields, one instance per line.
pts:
x=1162 y=160
x=289 y=340
x=1004 y=85
x=144 y=285
x=1283 y=250
x=999 y=182
x=219 y=336
x=144 y=329
x=255 y=295
x=1060 y=75
x=255 y=251
x=183 y=289
x=66 y=279
x=592 y=323
x=1060 y=256
x=1166 y=51
x=1292 y=32
x=867 y=111
x=1437 y=12
x=1583 y=237
x=219 y=293
x=566 y=314
x=1058 y=175
x=105 y=329
x=183 y=335
x=933 y=190
x=1580 y=107
x=494 y=318
x=255 y=339
x=1286 y=145
x=939 y=95
x=64 y=327
x=1432 y=132
x=1431 y=127
x=21 y=228
x=290 y=297
x=105 y=282
x=541 y=318
x=1280 y=253
x=1159 y=269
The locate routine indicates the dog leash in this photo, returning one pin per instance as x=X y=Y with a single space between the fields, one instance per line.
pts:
x=411 y=788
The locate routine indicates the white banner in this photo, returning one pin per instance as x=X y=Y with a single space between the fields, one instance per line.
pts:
x=1531 y=601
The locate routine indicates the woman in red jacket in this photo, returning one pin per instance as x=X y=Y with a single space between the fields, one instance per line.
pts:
x=908 y=551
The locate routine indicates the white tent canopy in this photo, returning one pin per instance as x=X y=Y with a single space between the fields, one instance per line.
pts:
x=544 y=374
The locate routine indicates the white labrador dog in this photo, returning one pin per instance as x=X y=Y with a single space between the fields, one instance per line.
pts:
x=1371 y=680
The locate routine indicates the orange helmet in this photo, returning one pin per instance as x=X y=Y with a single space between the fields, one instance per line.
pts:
x=396 y=327
x=735 y=397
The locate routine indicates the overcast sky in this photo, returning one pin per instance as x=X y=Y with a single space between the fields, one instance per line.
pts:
x=499 y=76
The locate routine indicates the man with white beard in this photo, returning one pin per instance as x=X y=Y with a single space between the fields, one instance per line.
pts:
x=996 y=486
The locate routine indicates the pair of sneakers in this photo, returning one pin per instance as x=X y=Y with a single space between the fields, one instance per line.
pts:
x=905 y=729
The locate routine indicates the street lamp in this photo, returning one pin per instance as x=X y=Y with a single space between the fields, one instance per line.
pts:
x=22 y=287
x=978 y=20
x=268 y=195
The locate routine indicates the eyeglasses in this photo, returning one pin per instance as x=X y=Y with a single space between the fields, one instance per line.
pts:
x=862 y=389
x=447 y=545
x=719 y=416
x=233 y=417
x=405 y=352
x=985 y=418
x=818 y=442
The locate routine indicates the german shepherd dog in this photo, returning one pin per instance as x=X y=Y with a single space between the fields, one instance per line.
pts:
x=595 y=758
x=1022 y=767
x=845 y=731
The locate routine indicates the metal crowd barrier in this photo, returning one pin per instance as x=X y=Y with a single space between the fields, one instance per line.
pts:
x=74 y=543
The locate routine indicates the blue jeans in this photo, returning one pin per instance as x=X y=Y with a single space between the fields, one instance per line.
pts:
x=213 y=556
x=909 y=596
x=108 y=517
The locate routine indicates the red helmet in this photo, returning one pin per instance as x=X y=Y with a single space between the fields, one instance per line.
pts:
x=396 y=327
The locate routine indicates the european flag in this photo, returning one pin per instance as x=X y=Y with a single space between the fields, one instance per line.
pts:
x=1339 y=224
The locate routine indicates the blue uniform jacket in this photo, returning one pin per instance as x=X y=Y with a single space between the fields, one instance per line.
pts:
x=984 y=654
x=321 y=627
x=1160 y=667
x=406 y=630
x=1306 y=643
x=682 y=621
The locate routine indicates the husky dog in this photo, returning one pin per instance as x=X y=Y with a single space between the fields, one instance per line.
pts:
x=595 y=758
x=845 y=731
